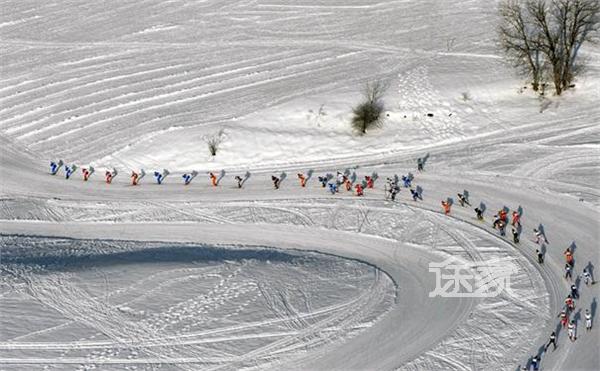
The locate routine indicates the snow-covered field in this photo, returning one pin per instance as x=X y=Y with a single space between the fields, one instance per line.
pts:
x=198 y=277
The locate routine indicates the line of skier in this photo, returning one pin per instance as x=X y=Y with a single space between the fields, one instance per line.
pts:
x=568 y=317
x=347 y=179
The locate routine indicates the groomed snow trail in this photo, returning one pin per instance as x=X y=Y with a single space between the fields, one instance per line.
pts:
x=452 y=333
x=173 y=277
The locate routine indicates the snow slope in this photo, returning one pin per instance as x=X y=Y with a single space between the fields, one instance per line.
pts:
x=115 y=276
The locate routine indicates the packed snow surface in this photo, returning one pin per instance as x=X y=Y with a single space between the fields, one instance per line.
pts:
x=112 y=276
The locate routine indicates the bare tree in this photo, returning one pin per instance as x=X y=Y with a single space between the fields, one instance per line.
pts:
x=518 y=39
x=579 y=21
x=548 y=41
x=369 y=113
x=213 y=141
x=540 y=36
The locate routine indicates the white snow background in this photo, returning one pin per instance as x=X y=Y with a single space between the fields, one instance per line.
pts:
x=99 y=276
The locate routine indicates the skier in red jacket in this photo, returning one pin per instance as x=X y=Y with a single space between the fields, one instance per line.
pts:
x=359 y=190
x=134 y=178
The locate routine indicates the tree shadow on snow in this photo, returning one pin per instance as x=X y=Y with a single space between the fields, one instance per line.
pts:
x=169 y=253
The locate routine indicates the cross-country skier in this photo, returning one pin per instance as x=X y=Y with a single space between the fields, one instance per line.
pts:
x=446 y=206
x=588 y=320
x=348 y=184
x=570 y=303
x=572 y=330
x=496 y=222
x=69 y=170
x=323 y=180
x=406 y=181
x=239 y=181
x=110 y=175
x=574 y=291
x=503 y=215
x=569 y=256
x=568 y=273
x=393 y=190
x=587 y=277
x=187 y=178
x=302 y=179
x=516 y=219
x=564 y=318
x=535 y=363
x=370 y=181
x=134 y=178
x=420 y=164
x=515 y=234
x=55 y=166
x=87 y=173
x=275 y=180
x=213 y=179
x=539 y=236
x=389 y=184
x=333 y=188
x=359 y=190
x=479 y=213
x=551 y=340
x=159 y=177
x=502 y=228
x=415 y=194
x=462 y=199
x=500 y=217
x=340 y=178
x=540 y=256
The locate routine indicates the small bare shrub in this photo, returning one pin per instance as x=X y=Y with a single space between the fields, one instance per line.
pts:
x=213 y=141
x=369 y=113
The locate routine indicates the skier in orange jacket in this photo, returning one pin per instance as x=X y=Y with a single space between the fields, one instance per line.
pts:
x=86 y=174
x=446 y=206
x=213 y=179
x=348 y=184
x=302 y=179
